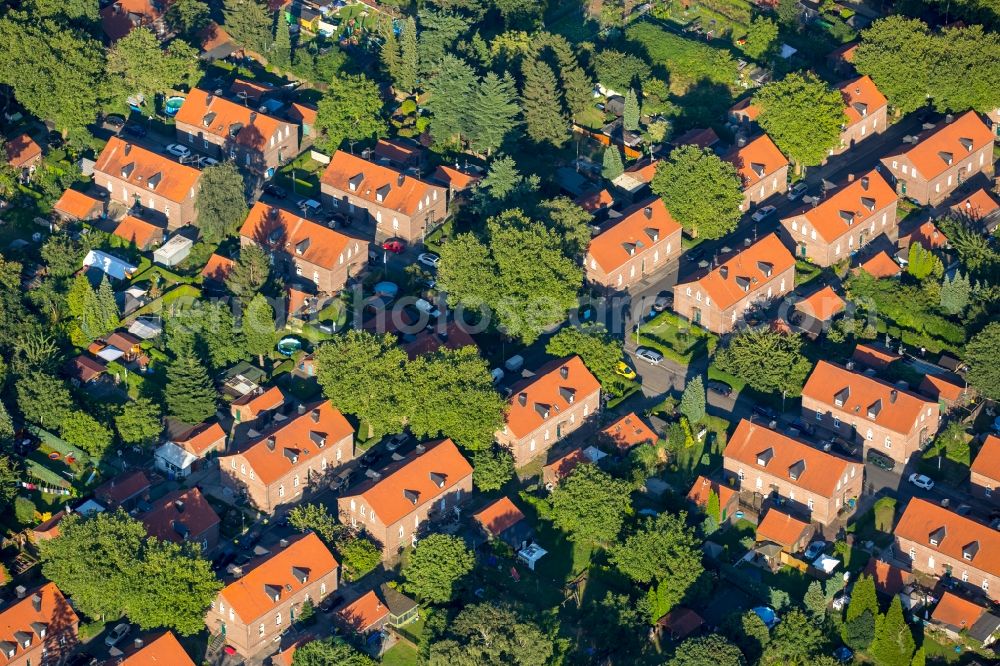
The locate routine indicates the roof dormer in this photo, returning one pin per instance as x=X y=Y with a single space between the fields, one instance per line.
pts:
x=300 y=574
x=411 y=496
x=302 y=246
x=861 y=108
x=795 y=470
x=382 y=192
x=542 y=409
x=743 y=283
x=758 y=169
x=947 y=157
x=629 y=248
x=868 y=203
x=317 y=438
x=874 y=409
x=23 y=638
x=966 y=143
x=568 y=394
x=154 y=180
x=765 y=267
x=8 y=648
x=128 y=169
x=208 y=119
x=937 y=536
x=40 y=629
x=292 y=455
x=765 y=456
x=654 y=234
x=841 y=396
x=355 y=182
x=847 y=216
x=438 y=479
x=970 y=550
x=273 y=592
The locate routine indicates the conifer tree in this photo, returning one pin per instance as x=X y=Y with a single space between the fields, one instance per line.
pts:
x=409 y=60
x=542 y=108
x=493 y=112
x=281 y=52
x=258 y=327
x=612 y=166
x=189 y=393
x=693 y=400
x=107 y=307
x=955 y=293
x=893 y=644
x=390 y=54
x=630 y=116
x=249 y=22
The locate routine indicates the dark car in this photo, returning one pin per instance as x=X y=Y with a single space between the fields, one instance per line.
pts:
x=803 y=426
x=135 y=130
x=722 y=388
x=115 y=121
x=663 y=301
x=223 y=560
x=842 y=446
x=275 y=191
x=766 y=413
x=881 y=461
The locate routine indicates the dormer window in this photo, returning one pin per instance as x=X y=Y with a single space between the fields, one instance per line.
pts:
x=966 y=143
x=317 y=438
x=743 y=283
x=302 y=246
x=765 y=456
x=868 y=203
x=355 y=182
x=969 y=550
x=629 y=248
x=438 y=479
x=273 y=592
x=861 y=108
x=411 y=496
x=568 y=394
x=795 y=471
x=128 y=169
x=874 y=409
x=847 y=216
x=300 y=574
x=758 y=169
x=765 y=267
x=382 y=192
x=292 y=455
x=947 y=157
x=841 y=396
x=654 y=234
x=542 y=409
x=937 y=536
x=154 y=180
x=207 y=120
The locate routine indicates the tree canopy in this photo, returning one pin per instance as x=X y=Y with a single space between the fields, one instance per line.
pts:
x=590 y=505
x=702 y=192
x=350 y=110
x=983 y=356
x=766 y=359
x=492 y=635
x=435 y=566
x=803 y=115
x=598 y=350
x=222 y=202
x=327 y=651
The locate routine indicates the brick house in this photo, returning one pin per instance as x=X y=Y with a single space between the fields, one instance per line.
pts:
x=628 y=432
x=644 y=240
x=394 y=506
x=183 y=515
x=122 y=16
x=125 y=491
x=770 y=464
x=543 y=409
x=38 y=628
x=142 y=234
x=229 y=130
x=936 y=541
x=784 y=530
x=866 y=109
x=292 y=458
x=843 y=223
x=254 y=611
x=74 y=205
x=162 y=650
x=984 y=474
x=162 y=189
x=950 y=154
x=399 y=206
x=762 y=168
x=865 y=409
x=303 y=249
x=715 y=301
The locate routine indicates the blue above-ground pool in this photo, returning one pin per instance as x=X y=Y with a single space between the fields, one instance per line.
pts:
x=172 y=106
x=766 y=615
x=288 y=346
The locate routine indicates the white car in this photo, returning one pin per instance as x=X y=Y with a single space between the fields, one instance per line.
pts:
x=429 y=259
x=921 y=481
x=649 y=355
x=209 y=161
x=814 y=550
x=177 y=150
x=763 y=213
x=117 y=634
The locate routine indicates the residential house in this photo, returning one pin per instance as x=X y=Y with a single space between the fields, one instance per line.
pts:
x=558 y=399
x=226 y=129
x=400 y=154
x=744 y=115
x=75 y=206
x=927 y=235
x=142 y=234
x=249 y=407
x=183 y=516
x=947 y=388
x=754 y=275
x=843 y=223
x=627 y=432
x=365 y=615
x=704 y=487
x=37 y=628
x=126 y=343
x=83 y=369
x=929 y=170
x=254 y=611
x=122 y=16
x=818 y=309
x=124 y=491
x=303 y=249
x=881 y=265
x=644 y=240
x=562 y=466
x=787 y=532
x=979 y=207
x=217 y=269
x=939 y=542
x=141 y=180
x=841 y=59
x=597 y=203
x=866 y=109
x=456 y=180
x=454 y=336
x=184 y=454
x=305 y=117
x=874 y=355
x=888 y=578
x=960 y=618
x=866 y=409
x=402 y=609
x=394 y=506
x=23 y=154
x=164 y=650
x=294 y=457
x=762 y=168
x=637 y=177
x=400 y=206
x=702 y=137
x=504 y=521
x=775 y=466
x=984 y=474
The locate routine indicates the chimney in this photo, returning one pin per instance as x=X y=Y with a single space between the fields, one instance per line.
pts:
x=283 y=543
x=315 y=415
x=850 y=178
x=271 y=443
x=893 y=394
x=20 y=591
x=648 y=212
x=301 y=409
x=179 y=505
x=864 y=183
x=401 y=179
x=137 y=644
x=564 y=372
x=724 y=271
x=209 y=98
x=522 y=398
x=128 y=148
x=36 y=602
x=949 y=118
x=253 y=116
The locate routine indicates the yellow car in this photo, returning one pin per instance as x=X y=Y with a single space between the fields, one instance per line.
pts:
x=625 y=370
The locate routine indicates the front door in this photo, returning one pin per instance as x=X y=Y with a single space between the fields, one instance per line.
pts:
x=802 y=250
x=902 y=187
x=696 y=315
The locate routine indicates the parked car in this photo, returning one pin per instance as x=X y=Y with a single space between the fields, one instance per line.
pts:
x=115 y=121
x=797 y=190
x=427 y=308
x=649 y=355
x=842 y=446
x=396 y=441
x=178 y=150
x=814 y=550
x=921 y=481
x=135 y=130
x=223 y=560
x=429 y=259
x=275 y=191
x=625 y=370
x=881 y=460
x=663 y=301
x=394 y=246
x=763 y=213
x=117 y=634
x=843 y=654
x=308 y=206
x=722 y=388
x=766 y=413
x=208 y=161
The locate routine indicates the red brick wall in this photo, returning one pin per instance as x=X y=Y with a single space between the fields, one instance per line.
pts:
x=390 y=223
x=327 y=280
x=176 y=213
x=721 y=321
x=934 y=191
x=650 y=260
x=926 y=559
x=284 y=147
x=824 y=253
x=984 y=487
x=557 y=428
x=861 y=130
x=766 y=187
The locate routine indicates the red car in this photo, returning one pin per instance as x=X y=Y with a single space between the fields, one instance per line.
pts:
x=394 y=246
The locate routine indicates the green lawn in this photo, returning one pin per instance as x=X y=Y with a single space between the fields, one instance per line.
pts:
x=676 y=338
x=735 y=382
x=688 y=61
x=400 y=654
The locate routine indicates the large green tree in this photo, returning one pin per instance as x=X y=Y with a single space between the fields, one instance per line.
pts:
x=492 y=468
x=138 y=421
x=434 y=567
x=803 y=115
x=702 y=192
x=983 y=356
x=452 y=89
x=796 y=641
x=189 y=394
x=598 y=350
x=543 y=115
x=761 y=38
x=409 y=57
x=139 y=64
x=249 y=273
x=612 y=166
x=350 y=110
x=665 y=549
x=570 y=222
x=222 y=203
x=765 y=359
x=83 y=430
x=630 y=114
x=43 y=399
x=620 y=71
x=281 y=50
x=249 y=22
x=489 y=634
x=590 y=505
x=493 y=113
x=693 y=400
x=893 y=644
x=329 y=651
x=894 y=51
x=708 y=650
x=188 y=17
x=258 y=327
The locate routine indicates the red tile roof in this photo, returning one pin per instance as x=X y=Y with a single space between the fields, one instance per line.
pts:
x=888 y=579
x=746 y=108
x=252 y=89
x=629 y=431
x=548 y=391
x=294 y=438
x=643 y=170
x=386 y=496
x=427 y=341
x=162 y=651
x=818 y=471
x=253 y=404
x=275 y=228
x=86 y=368
x=987 y=461
x=928 y=235
x=217 y=268
x=397 y=151
x=822 y=304
x=943 y=387
x=881 y=266
x=217 y=115
x=564 y=465
x=179 y=515
x=757 y=160
x=133 y=230
x=977 y=205
x=378 y=184
x=77 y=205
x=499 y=516
x=455 y=179
x=874 y=355
x=118 y=19
x=895 y=409
x=139 y=167
x=595 y=201
x=22 y=151
x=247 y=595
x=745 y=265
x=303 y=113
x=863 y=99
x=680 y=623
x=701 y=137
x=929 y=155
x=20 y=617
x=955 y=612
x=639 y=228
x=121 y=489
x=852 y=205
x=363 y=613
x=702 y=487
x=202 y=438
x=922 y=518
x=780 y=528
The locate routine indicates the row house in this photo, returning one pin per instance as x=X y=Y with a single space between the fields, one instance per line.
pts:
x=303 y=249
x=183 y=516
x=543 y=409
x=866 y=109
x=163 y=650
x=644 y=240
x=866 y=409
x=939 y=542
x=984 y=474
x=839 y=226
x=292 y=458
x=37 y=628
x=145 y=182
x=715 y=301
x=230 y=130
x=936 y=164
x=253 y=612
x=393 y=506
x=399 y=206
x=762 y=169
x=764 y=462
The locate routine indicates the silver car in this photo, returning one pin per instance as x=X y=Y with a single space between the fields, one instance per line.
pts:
x=649 y=355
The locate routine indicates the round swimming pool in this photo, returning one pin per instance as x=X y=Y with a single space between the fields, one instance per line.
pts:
x=288 y=346
x=173 y=105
